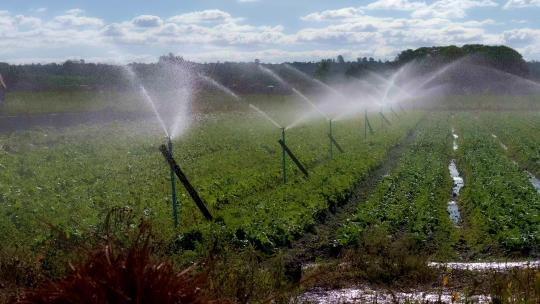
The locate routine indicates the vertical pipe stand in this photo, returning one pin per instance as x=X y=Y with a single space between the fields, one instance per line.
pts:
x=283 y=157
x=330 y=148
x=365 y=124
x=173 y=188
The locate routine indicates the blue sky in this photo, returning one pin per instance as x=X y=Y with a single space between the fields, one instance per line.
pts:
x=270 y=30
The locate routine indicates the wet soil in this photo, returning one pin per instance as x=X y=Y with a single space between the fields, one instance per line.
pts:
x=20 y=122
x=320 y=242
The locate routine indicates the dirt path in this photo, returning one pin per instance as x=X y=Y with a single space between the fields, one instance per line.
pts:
x=19 y=122
x=321 y=242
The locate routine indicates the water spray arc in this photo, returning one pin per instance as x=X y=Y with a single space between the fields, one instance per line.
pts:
x=285 y=150
x=182 y=177
x=332 y=141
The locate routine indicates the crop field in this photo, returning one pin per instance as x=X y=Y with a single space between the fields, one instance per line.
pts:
x=67 y=181
x=276 y=152
x=234 y=160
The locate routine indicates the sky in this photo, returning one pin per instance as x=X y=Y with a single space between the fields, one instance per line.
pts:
x=120 y=31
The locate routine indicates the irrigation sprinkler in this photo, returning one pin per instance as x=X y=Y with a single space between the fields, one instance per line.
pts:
x=173 y=187
x=284 y=148
x=182 y=177
x=384 y=119
x=333 y=141
x=367 y=125
x=394 y=112
x=293 y=157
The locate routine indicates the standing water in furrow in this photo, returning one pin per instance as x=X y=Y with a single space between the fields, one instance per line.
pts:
x=455 y=136
x=453 y=210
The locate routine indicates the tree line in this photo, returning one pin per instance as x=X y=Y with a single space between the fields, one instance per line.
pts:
x=245 y=77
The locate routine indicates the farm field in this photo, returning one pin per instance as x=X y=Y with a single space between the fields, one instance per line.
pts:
x=68 y=180
x=276 y=152
x=234 y=163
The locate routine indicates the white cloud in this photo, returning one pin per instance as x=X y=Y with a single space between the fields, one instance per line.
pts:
x=218 y=35
x=401 y=5
x=75 y=11
x=27 y=21
x=147 y=21
x=213 y=15
x=525 y=40
x=437 y=9
x=521 y=3
x=521 y=37
x=339 y=14
x=76 y=18
x=451 y=8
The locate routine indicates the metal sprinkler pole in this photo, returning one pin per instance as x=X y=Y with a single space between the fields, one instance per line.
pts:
x=183 y=179
x=283 y=157
x=382 y=119
x=365 y=124
x=331 y=150
x=173 y=187
x=394 y=112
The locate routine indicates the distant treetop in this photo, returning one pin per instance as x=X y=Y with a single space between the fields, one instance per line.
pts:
x=500 y=57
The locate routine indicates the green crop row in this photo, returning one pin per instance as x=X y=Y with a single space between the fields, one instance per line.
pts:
x=520 y=133
x=71 y=178
x=412 y=199
x=501 y=208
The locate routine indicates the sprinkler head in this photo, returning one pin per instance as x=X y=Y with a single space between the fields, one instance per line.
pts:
x=169 y=142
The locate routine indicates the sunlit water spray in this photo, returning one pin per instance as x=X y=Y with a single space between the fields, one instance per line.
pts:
x=238 y=98
x=220 y=86
x=317 y=81
x=270 y=119
x=148 y=99
x=298 y=93
x=273 y=75
x=524 y=81
x=390 y=83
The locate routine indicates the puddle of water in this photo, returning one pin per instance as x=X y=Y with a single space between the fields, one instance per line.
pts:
x=453 y=212
x=534 y=181
x=366 y=294
x=369 y=295
x=483 y=266
x=452 y=206
x=455 y=144
x=458 y=180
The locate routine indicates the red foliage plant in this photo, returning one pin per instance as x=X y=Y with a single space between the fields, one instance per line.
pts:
x=127 y=276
